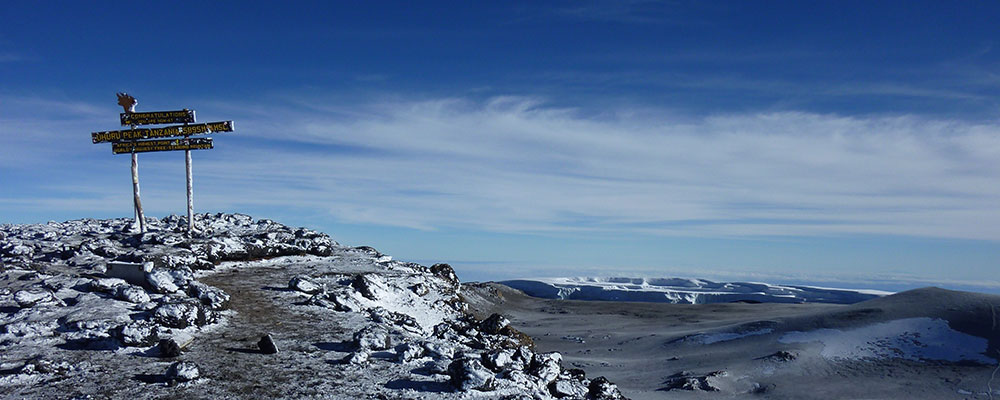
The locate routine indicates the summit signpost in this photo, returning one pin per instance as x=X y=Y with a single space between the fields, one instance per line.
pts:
x=133 y=141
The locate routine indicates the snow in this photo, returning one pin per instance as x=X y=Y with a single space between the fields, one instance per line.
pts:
x=686 y=291
x=59 y=306
x=910 y=338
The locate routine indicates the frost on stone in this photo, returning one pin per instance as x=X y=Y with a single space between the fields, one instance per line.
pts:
x=304 y=284
x=176 y=315
x=469 y=374
x=161 y=282
x=131 y=294
x=373 y=337
x=182 y=371
x=29 y=298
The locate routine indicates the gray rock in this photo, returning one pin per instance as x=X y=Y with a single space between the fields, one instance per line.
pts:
x=139 y=333
x=176 y=315
x=30 y=298
x=266 y=345
x=373 y=337
x=571 y=388
x=494 y=324
x=546 y=367
x=131 y=294
x=469 y=374
x=168 y=348
x=601 y=389
x=358 y=357
x=304 y=284
x=498 y=360
x=407 y=352
x=105 y=285
x=446 y=272
x=212 y=297
x=182 y=371
x=161 y=282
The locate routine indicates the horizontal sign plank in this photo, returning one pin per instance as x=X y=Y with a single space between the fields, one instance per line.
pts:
x=143 y=146
x=155 y=133
x=157 y=117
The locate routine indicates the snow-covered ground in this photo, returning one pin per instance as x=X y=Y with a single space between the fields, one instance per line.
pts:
x=248 y=309
x=920 y=339
x=689 y=291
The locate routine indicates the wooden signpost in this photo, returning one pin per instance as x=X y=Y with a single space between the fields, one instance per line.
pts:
x=133 y=141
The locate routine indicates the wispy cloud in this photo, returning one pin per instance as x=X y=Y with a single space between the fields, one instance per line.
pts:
x=517 y=164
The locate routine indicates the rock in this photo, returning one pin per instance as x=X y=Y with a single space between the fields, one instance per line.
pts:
x=168 y=348
x=139 y=333
x=161 y=282
x=546 y=366
x=420 y=289
x=182 y=371
x=568 y=388
x=408 y=323
x=304 y=285
x=266 y=345
x=358 y=357
x=373 y=337
x=497 y=360
x=601 y=389
x=685 y=380
x=176 y=315
x=30 y=298
x=439 y=350
x=105 y=285
x=782 y=355
x=212 y=297
x=494 y=324
x=469 y=374
x=446 y=272
x=368 y=285
x=131 y=294
x=408 y=351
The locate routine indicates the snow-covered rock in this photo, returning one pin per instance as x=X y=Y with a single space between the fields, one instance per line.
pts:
x=182 y=371
x=66 y=304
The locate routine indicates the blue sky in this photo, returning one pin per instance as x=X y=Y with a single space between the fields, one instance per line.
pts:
x=838 y=142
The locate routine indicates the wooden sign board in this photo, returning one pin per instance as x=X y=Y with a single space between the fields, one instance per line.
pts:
x=144 y=146
x=157 y=117
x=154 y=133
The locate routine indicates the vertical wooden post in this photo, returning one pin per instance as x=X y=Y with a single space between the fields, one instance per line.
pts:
x=137 y=203
x=190 y=191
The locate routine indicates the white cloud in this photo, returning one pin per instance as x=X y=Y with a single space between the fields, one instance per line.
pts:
x=515 y=164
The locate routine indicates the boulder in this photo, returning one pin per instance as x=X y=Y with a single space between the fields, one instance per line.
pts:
x=266 y=345
x=571 y=388
x=161 y=282
x=131 y=294
x=138 y=333
x=168 y=348
x=304 y=285
x=182 y=371
x=470 y=374
x=29 y=298
x=176 y=315
x=546 y=367
x=373 y=337
x=494 y=325
x=446 y=272
x=601 y=389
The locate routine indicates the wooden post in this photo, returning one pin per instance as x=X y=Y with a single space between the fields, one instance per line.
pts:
x=190 y=191
x=137 y=203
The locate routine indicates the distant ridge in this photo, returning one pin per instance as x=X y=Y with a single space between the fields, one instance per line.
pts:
x=684 y=291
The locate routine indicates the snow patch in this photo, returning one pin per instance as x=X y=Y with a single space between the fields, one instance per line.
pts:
x=917 y=339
